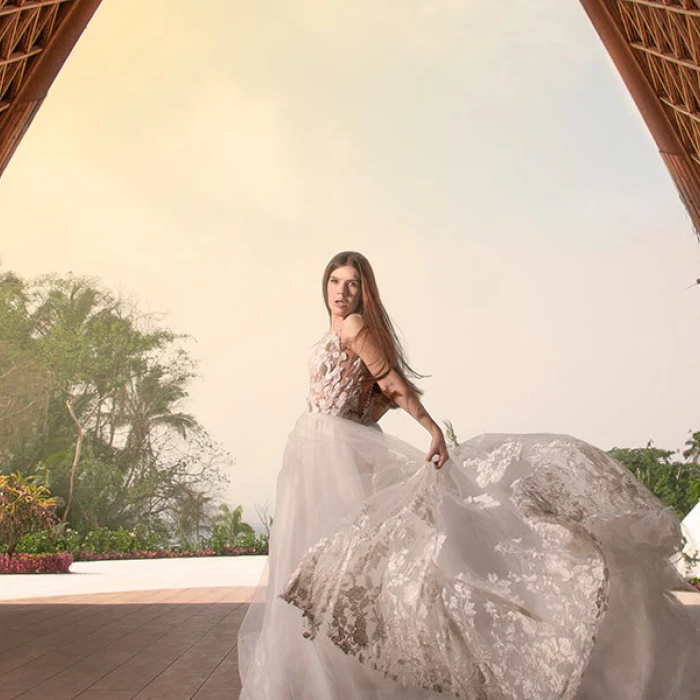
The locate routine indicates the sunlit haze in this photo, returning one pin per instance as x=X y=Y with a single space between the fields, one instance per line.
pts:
x=207 y=159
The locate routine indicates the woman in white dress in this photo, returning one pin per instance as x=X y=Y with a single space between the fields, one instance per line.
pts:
x=530 y=567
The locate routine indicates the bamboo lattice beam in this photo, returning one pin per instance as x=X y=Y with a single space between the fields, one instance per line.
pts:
x=10 y=9
x=36 y=37
x=666 y=57
x=689 y=9
x=20 y=56
x=655 y=45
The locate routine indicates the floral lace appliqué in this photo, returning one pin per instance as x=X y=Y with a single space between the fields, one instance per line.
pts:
x=338 y=381
x=487 y=584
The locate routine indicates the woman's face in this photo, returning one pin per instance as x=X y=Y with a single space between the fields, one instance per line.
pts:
x=343 y=292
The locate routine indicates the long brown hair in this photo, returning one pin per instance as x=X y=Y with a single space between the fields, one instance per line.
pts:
x=377 y=323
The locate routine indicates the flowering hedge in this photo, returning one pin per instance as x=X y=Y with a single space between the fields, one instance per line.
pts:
x=101 y=544
x=35 y=563
x=84 y=555
x=59 y=563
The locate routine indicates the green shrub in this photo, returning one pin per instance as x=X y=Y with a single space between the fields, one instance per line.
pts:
x=37 y=543
x=103 y=541
x=219 y=540
x=45 y=542
x=100 y=540
x=676 y=484
x=25 y=507
x=259 y=542
x=222 y=542
x=150 y=540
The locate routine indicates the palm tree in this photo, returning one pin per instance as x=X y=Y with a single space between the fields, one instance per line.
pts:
x=61 y=327
x=692 y=451
x=193 y=513
x=230 y=522
x=147 y=407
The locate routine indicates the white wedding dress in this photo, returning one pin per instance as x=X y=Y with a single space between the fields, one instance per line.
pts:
x=531 y=567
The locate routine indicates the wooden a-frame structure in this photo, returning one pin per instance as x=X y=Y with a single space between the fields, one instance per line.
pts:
x=655 y=45
x=36 y=37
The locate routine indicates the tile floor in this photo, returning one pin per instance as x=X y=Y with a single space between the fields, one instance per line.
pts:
x=165 y=644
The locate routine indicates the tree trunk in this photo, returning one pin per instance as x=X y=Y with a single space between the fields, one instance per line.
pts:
x=76 y=457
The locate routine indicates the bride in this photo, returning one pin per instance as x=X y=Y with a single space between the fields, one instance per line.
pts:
x=520 y=567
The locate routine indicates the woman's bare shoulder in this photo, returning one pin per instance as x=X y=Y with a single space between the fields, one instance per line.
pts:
x=350 y=327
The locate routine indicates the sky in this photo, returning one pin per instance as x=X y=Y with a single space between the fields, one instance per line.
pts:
x=207 y=159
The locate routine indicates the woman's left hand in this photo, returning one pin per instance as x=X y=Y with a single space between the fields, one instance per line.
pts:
x=438 y=450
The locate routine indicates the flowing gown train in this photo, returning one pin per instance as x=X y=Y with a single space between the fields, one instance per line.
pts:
x=531 y=567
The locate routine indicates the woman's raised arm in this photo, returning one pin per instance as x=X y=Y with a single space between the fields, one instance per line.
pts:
x=392 y=384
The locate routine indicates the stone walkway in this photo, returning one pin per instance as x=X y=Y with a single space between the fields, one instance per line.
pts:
x=176 y=642
x=169 y=644
x=146 y=630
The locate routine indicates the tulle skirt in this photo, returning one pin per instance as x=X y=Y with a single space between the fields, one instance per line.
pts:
x=531 y=567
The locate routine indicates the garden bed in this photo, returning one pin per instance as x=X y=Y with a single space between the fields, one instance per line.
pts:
x=36 y=563
x=59 y=563
x=228 y=551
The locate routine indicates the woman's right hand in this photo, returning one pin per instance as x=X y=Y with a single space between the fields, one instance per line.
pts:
x=438 y=449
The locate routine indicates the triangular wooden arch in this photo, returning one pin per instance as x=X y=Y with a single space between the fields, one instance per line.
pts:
x=655 y=45
x=36 y=37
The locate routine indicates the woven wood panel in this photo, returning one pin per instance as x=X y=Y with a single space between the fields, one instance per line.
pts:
x=665 y=37
x=36 y=37
x=26 y=26
x=655 y=45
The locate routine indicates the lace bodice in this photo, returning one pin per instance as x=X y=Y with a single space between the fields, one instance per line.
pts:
x=338 y=382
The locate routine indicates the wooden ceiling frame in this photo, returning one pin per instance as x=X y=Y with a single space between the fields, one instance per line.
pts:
x=655 y=45
x=36 y=37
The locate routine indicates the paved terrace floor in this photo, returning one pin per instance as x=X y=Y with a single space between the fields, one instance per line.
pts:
x=147 y=630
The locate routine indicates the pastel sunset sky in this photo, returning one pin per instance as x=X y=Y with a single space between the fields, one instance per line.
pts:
x=207 y=159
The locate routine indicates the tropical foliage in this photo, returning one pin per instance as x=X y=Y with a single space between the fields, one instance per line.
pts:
x=91 y=396
x=231 y=531
x=676 y=482
x=103 y=543
x=24 y=508
x=230 y=522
